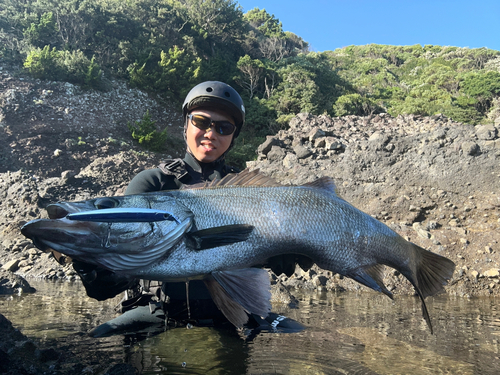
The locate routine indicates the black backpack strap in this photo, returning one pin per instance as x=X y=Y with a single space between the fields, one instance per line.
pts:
x=176 y=168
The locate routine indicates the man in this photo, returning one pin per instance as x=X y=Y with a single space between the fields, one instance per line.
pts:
x=213 y=114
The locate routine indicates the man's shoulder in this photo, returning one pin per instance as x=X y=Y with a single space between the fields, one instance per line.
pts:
x=150 y=180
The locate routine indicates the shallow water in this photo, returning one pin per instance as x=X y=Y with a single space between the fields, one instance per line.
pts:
x=348 y=333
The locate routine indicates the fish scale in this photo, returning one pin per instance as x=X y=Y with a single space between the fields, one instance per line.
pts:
x=221 y=230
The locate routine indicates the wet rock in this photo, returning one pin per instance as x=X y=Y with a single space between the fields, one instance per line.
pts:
x=11 y=283
x=319 y=280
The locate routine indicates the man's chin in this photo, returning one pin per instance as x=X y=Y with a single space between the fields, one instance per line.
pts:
x=207 y=157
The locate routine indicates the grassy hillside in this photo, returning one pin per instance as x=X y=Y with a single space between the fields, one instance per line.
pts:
x=167 y=46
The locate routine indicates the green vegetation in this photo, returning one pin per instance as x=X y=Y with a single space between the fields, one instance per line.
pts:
x=460 y=83
x=146 y=133
x=167 y=46
x=69 y=66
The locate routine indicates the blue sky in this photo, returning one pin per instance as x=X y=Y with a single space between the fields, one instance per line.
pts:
x=331 y=24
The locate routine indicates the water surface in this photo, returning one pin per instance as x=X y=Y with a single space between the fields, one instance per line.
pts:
x=347 y=333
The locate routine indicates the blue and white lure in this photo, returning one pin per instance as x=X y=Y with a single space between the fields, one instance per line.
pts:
x=123 y=215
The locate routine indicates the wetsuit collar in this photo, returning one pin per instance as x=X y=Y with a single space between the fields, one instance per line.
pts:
x=208 y=171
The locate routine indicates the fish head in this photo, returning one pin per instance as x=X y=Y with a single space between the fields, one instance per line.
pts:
x=90 y=240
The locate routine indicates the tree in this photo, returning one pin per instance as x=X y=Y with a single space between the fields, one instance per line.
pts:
x=43 y=63
x=266 y=23
x=42 y=33
x=180 y=70
x=297 y=92
x=215 y=23
x=253 y=71
x=355 y=104
x=483 y=86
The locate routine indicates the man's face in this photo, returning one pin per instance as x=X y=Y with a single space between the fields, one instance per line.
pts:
x=208 y=145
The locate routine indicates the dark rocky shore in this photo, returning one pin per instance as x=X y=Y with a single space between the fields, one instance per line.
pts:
x=434 y=181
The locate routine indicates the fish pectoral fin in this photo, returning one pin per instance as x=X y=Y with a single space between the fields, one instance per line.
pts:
x=218 y=236
x=239 y=292
x=371 y=277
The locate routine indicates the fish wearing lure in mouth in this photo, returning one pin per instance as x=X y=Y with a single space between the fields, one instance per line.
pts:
x=218 y=232
x=122 y=215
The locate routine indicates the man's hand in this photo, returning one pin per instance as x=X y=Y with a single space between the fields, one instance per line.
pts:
x=100 y=283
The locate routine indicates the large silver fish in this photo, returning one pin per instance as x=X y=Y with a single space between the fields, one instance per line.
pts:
x=218 y=232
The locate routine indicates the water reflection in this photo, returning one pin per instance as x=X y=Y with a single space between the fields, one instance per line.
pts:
x=349 y=333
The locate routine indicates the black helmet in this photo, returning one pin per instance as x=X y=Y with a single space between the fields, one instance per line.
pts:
x=218 y=95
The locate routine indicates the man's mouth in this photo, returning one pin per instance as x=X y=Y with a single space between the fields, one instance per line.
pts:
x=207 y=146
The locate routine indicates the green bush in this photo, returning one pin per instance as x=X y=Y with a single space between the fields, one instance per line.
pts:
x=78 y=69
x=74 y=67
x=146 y=133
x=355 y=104
x=42 y=33
x=43 y=63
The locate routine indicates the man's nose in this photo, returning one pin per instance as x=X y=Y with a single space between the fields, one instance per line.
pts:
x=209 y=133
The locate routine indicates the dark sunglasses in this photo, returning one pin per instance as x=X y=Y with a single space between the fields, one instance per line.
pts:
x=205 y=123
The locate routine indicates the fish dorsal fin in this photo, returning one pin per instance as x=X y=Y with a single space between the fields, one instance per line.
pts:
x=323 y=183
x=244 y=178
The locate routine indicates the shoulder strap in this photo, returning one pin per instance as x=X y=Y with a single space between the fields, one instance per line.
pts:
x=176 y=168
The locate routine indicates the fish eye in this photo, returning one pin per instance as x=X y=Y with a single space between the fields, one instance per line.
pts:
x=103 y=203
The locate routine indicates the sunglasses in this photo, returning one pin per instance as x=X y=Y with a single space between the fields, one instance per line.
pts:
x=205 y=123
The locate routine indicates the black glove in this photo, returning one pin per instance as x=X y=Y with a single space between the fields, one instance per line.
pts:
x=286 y=263
x=100 y=283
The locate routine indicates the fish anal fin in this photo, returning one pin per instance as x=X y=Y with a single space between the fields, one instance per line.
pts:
x=249 y=288
x=371 y=277
x=218 y=236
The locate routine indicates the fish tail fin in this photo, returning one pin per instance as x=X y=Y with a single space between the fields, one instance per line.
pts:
x=430 y=274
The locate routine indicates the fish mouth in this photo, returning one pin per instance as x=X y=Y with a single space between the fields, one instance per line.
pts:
x=39 y=232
